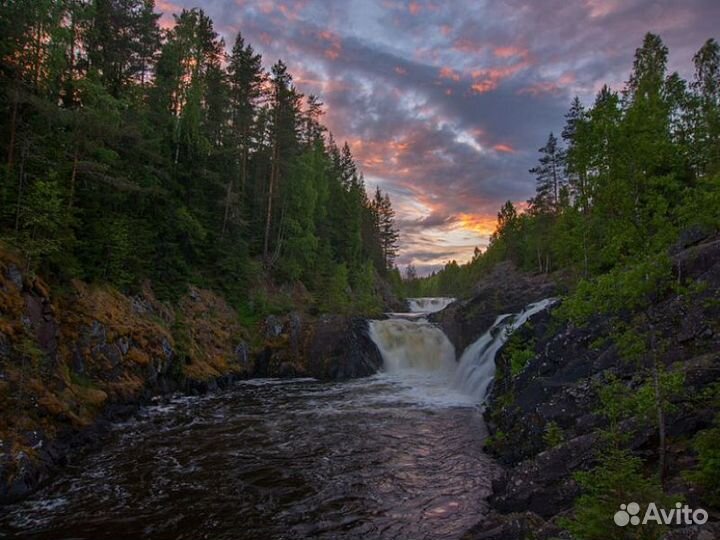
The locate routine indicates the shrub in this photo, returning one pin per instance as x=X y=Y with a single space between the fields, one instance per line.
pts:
x=553 y=435
x=618 y=479
x=707 y=473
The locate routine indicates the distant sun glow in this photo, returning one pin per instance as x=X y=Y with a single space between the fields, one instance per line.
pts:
x=444 y=104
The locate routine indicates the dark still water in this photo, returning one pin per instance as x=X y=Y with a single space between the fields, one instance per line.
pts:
x=389 y=457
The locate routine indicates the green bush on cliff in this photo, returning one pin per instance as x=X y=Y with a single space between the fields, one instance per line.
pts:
x=626 y=288
x=618 y=479
x=519 y=352
x=553 y=435
x=707 y=473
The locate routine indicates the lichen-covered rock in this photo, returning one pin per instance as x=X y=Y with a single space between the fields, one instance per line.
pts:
x=67 y=362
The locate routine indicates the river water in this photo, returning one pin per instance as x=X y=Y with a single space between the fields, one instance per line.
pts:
x=394 y=456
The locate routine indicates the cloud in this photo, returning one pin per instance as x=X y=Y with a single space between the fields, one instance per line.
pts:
x=445 y=103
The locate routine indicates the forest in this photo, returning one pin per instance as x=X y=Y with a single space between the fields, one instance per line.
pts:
x=133 y=153
x=624 y=180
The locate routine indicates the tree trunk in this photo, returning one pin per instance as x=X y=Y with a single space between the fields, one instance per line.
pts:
x=13 y=129
x=228 y=195
x=268 y=217
x=585 y=251
x=660 y=407
x=73 y=176
x=21 y=185
x=244 y=161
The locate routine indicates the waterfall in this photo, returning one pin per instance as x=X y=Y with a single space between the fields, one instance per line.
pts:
x=413 y=345
x=476 y=368
x=428 y=305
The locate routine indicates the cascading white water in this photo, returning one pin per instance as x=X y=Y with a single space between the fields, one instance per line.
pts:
x=428 y=305
x=413 y=345
x=476 y=369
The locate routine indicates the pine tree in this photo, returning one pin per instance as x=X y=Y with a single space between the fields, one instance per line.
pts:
x=285 y=105
x=577 y=154
x=245 y=77
x=388 y=234
x=549 y=177
x=706 y=87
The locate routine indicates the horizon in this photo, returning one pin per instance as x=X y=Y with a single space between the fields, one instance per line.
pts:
x=444 y=109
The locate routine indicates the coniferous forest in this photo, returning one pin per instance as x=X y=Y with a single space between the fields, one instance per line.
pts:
x=132 y=153
x=192 y=269
x=616 y=188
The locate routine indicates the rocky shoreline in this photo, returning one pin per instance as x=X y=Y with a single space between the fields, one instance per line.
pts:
x=72 y=364
x=108 y=354
x=557 y=390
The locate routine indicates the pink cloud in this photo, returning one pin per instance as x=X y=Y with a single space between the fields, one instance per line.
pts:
x=543 y=87
x=505 y=148
x=468 y=45
x=509 y=51
x=334 y=43
x=449 y=73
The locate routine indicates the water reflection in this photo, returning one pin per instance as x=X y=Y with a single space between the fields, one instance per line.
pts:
x=379 y=458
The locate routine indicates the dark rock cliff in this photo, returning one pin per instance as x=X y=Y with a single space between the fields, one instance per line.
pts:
x=504 y=290
x=558 y=388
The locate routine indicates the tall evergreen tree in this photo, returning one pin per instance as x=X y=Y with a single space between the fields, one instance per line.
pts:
x=549 y=177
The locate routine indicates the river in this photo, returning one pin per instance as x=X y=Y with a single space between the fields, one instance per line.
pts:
x=376 y=458
x=394 y=456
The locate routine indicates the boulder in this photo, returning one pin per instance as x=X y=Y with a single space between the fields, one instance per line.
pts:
x=341 y=348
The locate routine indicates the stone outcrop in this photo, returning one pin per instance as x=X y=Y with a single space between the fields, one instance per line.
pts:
x=329 y=347
x=72 y=362
x=558 y=388
x=504 y=290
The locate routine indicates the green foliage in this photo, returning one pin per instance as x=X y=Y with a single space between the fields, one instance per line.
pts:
x=134 y=153
x=519 y=353
x=645 y=400
x=43 y=223
x=707 y=473
x=367 y=300
x=553 y=435
x=336 y=296
x=618 y=479
x=496 y=439
x=623 y=288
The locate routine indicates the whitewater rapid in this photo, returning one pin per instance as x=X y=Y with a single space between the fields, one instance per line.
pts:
x=413 y=348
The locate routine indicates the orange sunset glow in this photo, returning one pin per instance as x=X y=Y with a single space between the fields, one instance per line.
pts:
x=444 y=107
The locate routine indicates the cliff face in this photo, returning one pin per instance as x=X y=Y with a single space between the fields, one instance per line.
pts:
x=72 y=360
x=67 y=361
x=504 y=290
x=557 y=392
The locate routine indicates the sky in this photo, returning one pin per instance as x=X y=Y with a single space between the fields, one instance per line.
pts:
x=445 y=103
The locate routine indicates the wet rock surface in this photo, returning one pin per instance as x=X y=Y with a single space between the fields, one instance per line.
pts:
x=558 y=387
x=69 y=365
x=504 y=290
